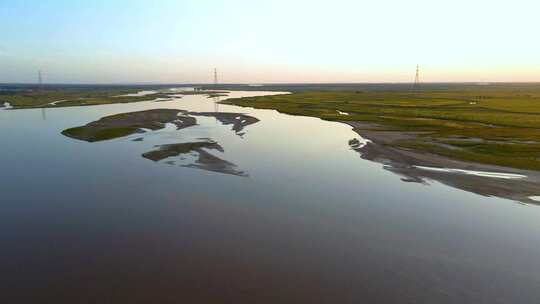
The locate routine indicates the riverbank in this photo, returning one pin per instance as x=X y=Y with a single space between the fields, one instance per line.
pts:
x=420 y=167
x=72 y=97
x=486 y=126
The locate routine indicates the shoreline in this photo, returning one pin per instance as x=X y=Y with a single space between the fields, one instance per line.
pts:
x=420 y=167
x=79 y=99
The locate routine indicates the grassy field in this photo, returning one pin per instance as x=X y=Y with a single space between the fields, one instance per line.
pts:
x=69 y=96
x=120 y=125
x=73 y=97
x=486 y=124
x=93 y=135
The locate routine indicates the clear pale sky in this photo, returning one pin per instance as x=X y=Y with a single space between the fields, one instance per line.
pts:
x=269 y=41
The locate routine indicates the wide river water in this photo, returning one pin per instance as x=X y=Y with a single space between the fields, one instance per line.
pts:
x=310 y=222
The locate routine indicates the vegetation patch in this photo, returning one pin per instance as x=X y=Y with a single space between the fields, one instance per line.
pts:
x=124 y=124
x=53 y=97
x=502 y=123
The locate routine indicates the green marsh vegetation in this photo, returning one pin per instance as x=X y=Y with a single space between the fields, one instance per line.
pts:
x=120 y=125
x=69 y=97
x=492 y=124
x=64 y=97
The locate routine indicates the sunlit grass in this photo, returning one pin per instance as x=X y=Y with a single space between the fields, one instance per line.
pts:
x=503 y=121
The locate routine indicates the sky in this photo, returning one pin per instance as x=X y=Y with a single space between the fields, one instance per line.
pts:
x=134 y=41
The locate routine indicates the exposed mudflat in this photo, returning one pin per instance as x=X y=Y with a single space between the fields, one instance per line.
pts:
x=237 y=120
x=124 y=124
x=205 y=161
x=420 y=167
x=121 y=125
x=170 y=150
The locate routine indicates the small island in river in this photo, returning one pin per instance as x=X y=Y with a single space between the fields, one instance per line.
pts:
x=205 y=161
x=124 y=124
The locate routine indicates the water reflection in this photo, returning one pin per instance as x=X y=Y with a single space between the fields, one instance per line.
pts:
x=216 y=104
x=313 y=223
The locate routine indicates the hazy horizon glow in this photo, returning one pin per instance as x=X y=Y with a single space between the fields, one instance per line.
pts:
x=269 y=41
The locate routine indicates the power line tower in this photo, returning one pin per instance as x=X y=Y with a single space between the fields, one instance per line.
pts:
x=416 y=85
x=215 y=78
x=40 y=80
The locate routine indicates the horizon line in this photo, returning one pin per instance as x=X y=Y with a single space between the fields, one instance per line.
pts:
x=267 y=83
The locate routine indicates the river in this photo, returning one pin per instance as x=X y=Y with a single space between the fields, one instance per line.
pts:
x=308 y=221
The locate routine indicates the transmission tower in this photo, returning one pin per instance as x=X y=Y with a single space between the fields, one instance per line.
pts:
x=40 y=80
x=416 y=85
x=215 y=78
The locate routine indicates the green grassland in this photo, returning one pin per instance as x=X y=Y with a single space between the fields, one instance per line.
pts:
x=79 y=97
x=67 y=97
x=93 y=135
x=494 y=125
x=123 y=124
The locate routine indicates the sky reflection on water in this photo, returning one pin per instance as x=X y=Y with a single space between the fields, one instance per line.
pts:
x=313 y=222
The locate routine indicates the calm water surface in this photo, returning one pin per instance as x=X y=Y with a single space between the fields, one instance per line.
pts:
x=312 y=223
